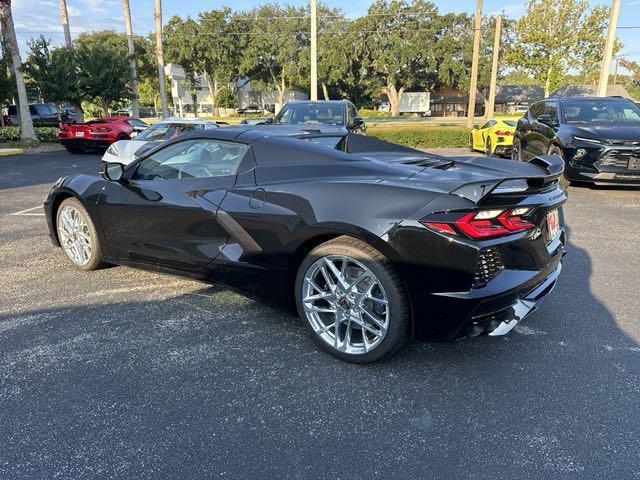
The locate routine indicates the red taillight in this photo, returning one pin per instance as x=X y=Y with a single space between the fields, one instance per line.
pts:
x=513 y=221
x=479 y=228
x=503 y=133
x=440 y=227
x=482 y=224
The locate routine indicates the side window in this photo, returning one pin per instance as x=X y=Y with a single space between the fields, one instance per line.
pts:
x=551 y=109
x=489 y=124
x=351 y=112
x=192 y=159
x=32 y=110
x=134 y=122
x=536 y=110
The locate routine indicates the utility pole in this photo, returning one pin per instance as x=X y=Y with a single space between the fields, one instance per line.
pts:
x=160 y=55
x=608 y=49
x=473 y=88
x=64 y=18
x=314 y=49
x=494 y=69
x=135 y=106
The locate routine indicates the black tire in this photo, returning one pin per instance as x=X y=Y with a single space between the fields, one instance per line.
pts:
x=487 y=147
x=516 y=150
x=398 y=309
x=95 y=260
x=565 y=183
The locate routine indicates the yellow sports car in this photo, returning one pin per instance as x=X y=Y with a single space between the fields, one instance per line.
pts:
x=494 y=137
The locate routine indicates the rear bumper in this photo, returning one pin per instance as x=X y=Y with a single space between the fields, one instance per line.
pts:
x=86 y=143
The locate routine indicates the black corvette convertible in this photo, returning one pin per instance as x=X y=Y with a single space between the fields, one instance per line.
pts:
x=370 y=242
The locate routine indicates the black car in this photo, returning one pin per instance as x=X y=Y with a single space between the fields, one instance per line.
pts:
x=598 y=138
x=368 y=241
x=336 y=113
x=42 y=115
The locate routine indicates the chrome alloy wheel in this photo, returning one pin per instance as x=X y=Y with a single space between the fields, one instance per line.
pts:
x=345 y=304
x=74 y=235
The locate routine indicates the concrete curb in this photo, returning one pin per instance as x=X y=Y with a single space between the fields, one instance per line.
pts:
x=10 y=151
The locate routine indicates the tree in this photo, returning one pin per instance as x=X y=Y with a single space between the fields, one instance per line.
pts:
x=392 y=40
x=52 y=72
x=9 y=35
x=556 y=36
x=277 y=51
x=103 y=76
x=7 y=84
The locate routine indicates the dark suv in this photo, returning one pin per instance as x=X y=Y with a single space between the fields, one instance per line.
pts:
x=598 y=138
x=42 y=115
x=338 y=113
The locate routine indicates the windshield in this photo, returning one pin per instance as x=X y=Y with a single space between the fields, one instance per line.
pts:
x=167 y=131
x=585 y=111
x=310 y=113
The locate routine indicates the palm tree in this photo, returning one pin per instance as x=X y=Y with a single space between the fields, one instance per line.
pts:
x=135 y=107
x=64 y=18
x=9 y=34
x=160 y=55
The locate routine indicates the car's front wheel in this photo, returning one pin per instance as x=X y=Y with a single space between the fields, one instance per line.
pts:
x=556 y=150
x=352 y=301
x=77 y=235
x=516 y=150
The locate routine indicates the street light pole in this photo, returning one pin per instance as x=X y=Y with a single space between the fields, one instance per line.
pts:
x=160 y=55
x=314 y=50
x=494 y=69
x=608 y=49
x=135 y=105
x=471 y=110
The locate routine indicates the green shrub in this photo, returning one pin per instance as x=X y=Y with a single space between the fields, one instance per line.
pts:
x=44 y=134
x=370 y=113
x=423 y=137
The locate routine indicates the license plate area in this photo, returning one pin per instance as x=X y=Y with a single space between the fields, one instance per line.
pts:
x=553 y=224
x=79 y=134
x=634 y=163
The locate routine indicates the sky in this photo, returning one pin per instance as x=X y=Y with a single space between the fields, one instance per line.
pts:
x=35 y=17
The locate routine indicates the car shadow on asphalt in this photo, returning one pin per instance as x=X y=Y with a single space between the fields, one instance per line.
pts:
x=213 y=374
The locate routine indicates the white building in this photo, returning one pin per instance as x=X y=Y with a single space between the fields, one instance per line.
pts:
x=183 y=96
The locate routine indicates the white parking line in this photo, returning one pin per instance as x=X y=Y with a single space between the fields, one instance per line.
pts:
x=28 y=212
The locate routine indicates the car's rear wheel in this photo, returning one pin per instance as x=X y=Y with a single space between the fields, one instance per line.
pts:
x=487 y=147
x=352 y=301
x=77 y=235
x=556 y=150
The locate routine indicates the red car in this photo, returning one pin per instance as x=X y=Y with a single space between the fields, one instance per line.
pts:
x=98 y=134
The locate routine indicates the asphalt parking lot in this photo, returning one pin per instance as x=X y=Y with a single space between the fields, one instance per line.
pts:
x=121 y=373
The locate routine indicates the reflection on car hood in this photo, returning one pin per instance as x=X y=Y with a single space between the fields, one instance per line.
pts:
x=626 y=131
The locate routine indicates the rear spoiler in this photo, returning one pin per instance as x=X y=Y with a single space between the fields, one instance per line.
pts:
x=551 y=166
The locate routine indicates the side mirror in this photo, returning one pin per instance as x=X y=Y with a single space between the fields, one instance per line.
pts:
x=476 y=127
x=134 y=134
x=113 y=171
x=268 y=121
x=546 y=119
x=357 y=121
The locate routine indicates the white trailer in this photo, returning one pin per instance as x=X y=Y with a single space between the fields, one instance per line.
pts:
x=416 y=102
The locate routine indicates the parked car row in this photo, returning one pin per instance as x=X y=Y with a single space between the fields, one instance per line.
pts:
x=598 y=138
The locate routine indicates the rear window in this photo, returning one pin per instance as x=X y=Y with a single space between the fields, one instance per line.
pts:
x=511 y=123
x=312 y=113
